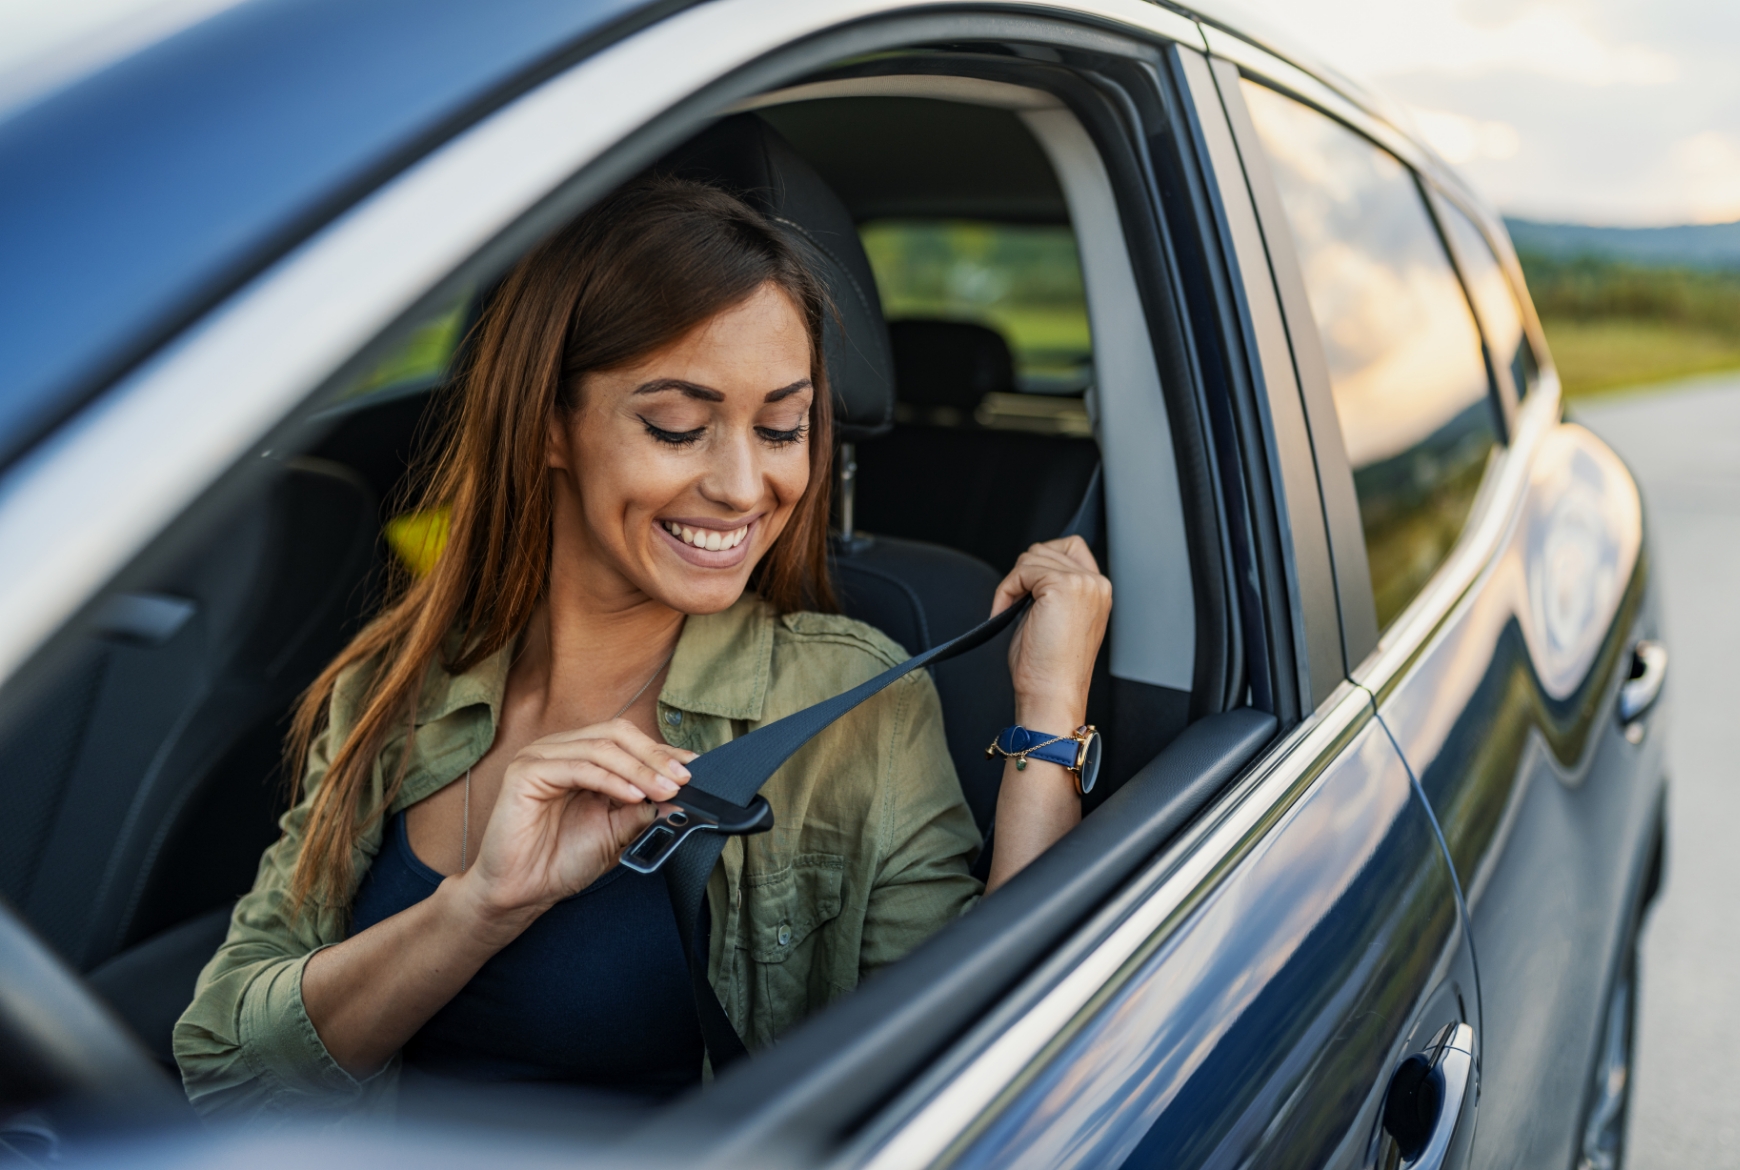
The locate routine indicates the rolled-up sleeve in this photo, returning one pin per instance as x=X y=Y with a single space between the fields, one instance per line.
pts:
x=927 y=838
x=245 y=1045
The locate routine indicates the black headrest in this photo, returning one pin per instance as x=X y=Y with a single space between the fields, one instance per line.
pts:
x=748 y=157
x=949 y=363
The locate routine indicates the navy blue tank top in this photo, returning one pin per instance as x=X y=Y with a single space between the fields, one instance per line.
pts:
x=594 y=993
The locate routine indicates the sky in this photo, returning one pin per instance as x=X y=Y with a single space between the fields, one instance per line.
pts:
x=1623 y=112
x=1587 y=111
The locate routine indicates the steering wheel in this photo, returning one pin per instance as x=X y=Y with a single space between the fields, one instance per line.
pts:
x=63 y=1052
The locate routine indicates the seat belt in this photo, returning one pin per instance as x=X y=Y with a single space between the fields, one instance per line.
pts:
x=721 y=798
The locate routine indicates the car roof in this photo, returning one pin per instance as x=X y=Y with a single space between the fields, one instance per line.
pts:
x=159 y=163
x=143 y=189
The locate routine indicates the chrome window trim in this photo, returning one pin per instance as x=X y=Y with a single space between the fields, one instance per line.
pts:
x=88 y=499
x=1004 y=1057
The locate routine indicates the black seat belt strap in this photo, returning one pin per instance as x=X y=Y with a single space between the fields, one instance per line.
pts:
x=735 y=771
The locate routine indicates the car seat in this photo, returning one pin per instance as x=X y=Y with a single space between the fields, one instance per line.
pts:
x=137 y=796
x=1005 y=489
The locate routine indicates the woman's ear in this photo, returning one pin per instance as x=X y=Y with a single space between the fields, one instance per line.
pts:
x=556 y=445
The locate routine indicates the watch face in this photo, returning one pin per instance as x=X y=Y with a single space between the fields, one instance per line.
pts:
x=1090 y=762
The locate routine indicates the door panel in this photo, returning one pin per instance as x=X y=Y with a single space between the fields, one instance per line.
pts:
x=1263 y=1029
x=1507 y=717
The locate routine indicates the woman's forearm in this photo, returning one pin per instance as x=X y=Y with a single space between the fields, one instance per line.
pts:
x=1037 y=804
x=368 y=995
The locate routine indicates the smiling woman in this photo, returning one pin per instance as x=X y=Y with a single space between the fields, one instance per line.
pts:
x=633 y=571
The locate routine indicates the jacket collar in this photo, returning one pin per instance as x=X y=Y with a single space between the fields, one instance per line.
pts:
x=721 y=667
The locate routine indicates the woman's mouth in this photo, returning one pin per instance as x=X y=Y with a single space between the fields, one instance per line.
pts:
x=709 y=539
x=709 y=548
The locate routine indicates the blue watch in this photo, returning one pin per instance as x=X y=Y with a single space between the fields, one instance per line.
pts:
x=1079 y=751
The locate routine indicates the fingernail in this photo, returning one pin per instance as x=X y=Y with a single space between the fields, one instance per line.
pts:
x=679 y=773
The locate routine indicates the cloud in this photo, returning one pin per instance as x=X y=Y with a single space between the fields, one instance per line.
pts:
x=1460 y=139
x=1560 y=39
x=1601 y=111
x=1709 y=163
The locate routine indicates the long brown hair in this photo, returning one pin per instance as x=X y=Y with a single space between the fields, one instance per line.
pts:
x=633 y=274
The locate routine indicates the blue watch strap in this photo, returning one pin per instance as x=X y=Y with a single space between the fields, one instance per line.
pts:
x=1017 y=739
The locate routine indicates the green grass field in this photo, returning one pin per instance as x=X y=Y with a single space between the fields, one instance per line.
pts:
x=1614 y=326
x=1607 y=354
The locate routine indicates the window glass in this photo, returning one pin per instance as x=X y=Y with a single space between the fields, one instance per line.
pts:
x=1022 y=280
x=1493 y=297
x=1405 y=365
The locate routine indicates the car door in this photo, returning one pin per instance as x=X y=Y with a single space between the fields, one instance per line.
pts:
x=1505 y=590
x=1249 y=996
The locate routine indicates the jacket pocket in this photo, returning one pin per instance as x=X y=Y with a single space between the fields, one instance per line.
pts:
x=785 y=914
x=783 y=908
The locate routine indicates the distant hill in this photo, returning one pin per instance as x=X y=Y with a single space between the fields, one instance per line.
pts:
x=1694 y=245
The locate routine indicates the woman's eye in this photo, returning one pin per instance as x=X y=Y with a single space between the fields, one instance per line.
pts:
x=674 y=438
x=780 y=438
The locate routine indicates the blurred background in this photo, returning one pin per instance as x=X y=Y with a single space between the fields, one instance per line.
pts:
x=1608 y=132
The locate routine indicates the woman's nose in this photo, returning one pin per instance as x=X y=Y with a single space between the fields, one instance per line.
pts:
x=734 y=478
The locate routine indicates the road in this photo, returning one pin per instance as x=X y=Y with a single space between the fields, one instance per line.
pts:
x=1684 y=446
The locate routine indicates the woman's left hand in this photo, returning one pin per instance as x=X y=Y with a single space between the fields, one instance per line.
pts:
x=1051 y=657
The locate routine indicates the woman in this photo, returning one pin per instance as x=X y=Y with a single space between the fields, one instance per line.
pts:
x=636 y=480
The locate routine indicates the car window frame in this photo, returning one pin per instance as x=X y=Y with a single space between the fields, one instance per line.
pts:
x=1376 y=663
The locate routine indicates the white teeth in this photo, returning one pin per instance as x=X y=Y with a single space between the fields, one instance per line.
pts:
x=710 y=539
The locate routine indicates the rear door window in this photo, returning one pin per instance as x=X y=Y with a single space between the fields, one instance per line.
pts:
x=1494 y=297
x=1405 y=366
x=1023 y=281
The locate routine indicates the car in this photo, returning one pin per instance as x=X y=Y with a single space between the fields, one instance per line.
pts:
x=1381 y=803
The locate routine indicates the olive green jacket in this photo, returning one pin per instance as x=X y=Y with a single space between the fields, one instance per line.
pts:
x=869 y=853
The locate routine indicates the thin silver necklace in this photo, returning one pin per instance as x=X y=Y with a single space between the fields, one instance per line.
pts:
x=465 y=817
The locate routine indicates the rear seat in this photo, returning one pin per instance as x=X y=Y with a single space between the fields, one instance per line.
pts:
x=941 y=477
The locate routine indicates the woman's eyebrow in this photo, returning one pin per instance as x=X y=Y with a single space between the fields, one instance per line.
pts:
x=689 y=389
x=785 y=392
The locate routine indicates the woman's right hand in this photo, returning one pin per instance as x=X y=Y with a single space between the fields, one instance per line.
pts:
x=569 y=805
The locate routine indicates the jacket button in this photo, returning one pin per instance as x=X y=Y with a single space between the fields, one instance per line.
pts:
x=784 y=934
x=673 y=717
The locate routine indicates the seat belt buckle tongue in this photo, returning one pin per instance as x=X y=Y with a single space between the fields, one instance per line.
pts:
x=691 y=812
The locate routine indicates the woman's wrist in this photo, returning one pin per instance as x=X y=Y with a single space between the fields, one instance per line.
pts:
x=468 y=907
x=1050 y=714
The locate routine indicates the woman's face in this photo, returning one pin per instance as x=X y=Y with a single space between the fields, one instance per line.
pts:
x=675 y=475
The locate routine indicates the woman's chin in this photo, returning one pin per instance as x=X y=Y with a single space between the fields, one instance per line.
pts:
x=698 y=581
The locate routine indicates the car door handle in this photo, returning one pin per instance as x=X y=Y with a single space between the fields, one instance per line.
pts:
x=1426 y=1096
x=1649 y=662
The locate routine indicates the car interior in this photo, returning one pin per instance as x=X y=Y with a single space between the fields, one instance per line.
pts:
x=989 y=350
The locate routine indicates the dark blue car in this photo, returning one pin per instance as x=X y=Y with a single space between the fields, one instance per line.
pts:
x=1381 y=805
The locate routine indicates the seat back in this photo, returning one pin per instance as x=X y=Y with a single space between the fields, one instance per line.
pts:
x=1002 y=490
x=921 y=595
x=144 y=791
